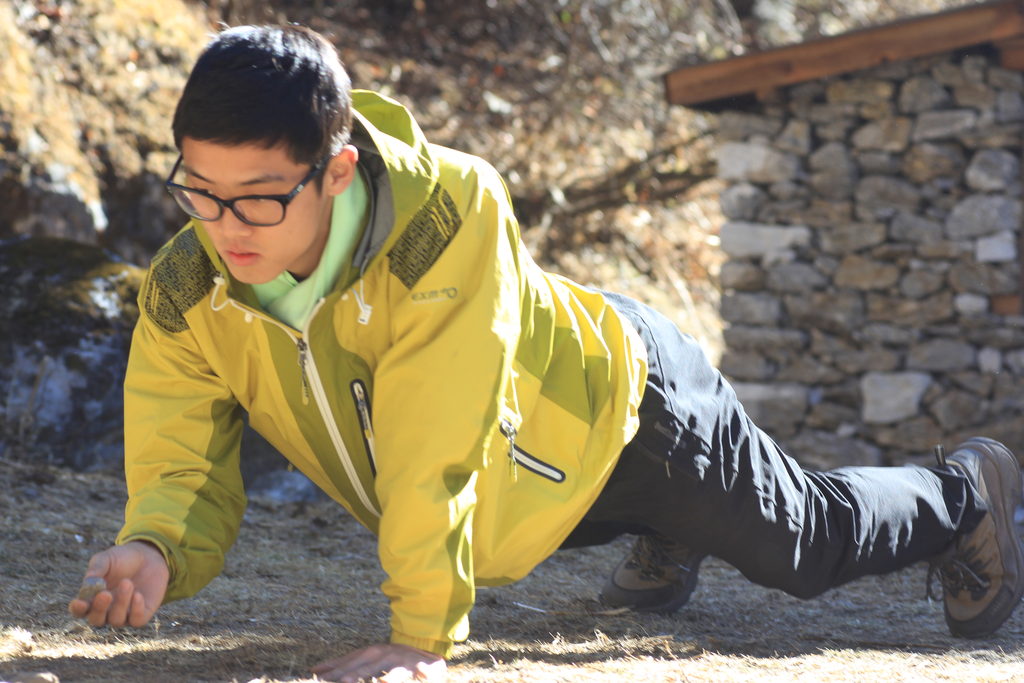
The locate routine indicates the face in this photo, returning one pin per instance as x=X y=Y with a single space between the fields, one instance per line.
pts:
x=259 y=254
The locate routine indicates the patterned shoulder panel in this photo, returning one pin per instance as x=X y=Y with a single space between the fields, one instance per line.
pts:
x=180 y=277
x=425 y=237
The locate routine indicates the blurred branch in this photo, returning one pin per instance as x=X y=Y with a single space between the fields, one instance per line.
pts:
x=640 y=181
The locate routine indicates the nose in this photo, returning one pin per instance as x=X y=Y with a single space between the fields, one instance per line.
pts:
x=230 y=226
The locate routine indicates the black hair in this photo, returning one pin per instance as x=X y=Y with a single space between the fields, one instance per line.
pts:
x=268 y=85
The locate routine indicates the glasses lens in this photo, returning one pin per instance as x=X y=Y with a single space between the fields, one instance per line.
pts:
x=196 y=205
x=260 y=211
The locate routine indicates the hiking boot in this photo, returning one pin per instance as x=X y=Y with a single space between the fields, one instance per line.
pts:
x=658 y=575
x=982 y=573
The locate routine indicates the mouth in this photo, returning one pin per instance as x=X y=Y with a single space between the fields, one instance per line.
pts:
x=240 y=258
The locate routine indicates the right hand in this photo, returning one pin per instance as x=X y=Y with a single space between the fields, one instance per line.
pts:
x=136 y=576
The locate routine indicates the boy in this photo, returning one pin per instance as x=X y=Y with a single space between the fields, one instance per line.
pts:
x=365 y=297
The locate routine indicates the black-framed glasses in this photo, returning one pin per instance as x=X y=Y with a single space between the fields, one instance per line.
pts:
x=261 y=210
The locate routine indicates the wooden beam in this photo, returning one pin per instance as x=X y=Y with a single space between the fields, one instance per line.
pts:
x=906 y=39
x=1011 y=53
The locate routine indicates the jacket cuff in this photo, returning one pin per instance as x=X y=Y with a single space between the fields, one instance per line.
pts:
x=438 y=647
x=172 y=556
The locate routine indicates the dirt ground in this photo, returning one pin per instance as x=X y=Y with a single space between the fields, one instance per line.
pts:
x=301 y=586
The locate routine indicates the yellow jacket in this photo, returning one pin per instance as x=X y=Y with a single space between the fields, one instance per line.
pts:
x=461 y=403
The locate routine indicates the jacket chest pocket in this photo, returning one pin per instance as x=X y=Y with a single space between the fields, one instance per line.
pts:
x=361 y=399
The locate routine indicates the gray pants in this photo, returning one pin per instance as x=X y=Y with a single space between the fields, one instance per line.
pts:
x=699 y=471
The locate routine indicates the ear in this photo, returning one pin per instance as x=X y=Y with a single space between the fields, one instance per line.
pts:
x=340 y=171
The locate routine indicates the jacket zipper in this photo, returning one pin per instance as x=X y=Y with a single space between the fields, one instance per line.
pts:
x=509 y=431
x=537 y=466
x=363 y=410
x=320 y=396
x=310 y=384
x=517 y=456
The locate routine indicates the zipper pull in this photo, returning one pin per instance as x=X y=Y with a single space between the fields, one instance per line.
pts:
x=506 y=428
x=363 y=413
x=303 y=350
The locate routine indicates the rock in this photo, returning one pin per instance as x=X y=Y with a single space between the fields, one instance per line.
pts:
x=913 y=313
x=859 y=91
x=834 y=174
x=795 y=277
x=941 y=355
x=871 y=359
x=755 y=163
x=863 y=273
x=922 y=93
x=787 y=190
x=983 y=278
x=909 y=227
x=926 y=161
x=920 y=283
x=949 y=123
x=87 y=139
x=775 y=408
x=741 y=275
x=1009 y=107
x=68 y=309
x=741 y=201
x=983 y=215
x=970 y=304
x=745 y=366
x=892 y=396
x=974 y=95
x=1006 y=79
x=990 y=360
x=1000 y=247
x=879 y=163
x=748 y=338
x=850 y=237
x=883 y=196
x=948 y=73
x=912 y=437
x=829 y=310
x=820 y=450
x=751 y=309
x=993 y=170
x=795 y=137
x=881 y=333
x=890 y=134
x=741 y=239
x=956 y=410
x=822 y=212
x=831 y=112
x=90 y=588
x=737 y=125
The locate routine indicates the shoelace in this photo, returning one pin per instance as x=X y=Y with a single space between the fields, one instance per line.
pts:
x=650 y=557
x=956 y=575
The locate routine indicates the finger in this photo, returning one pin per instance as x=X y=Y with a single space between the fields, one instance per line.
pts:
x=99 y=564
x=97 y=615
x=337 y=663
x=140 y=613
x=78 y=608
x=117 y=614
x=397 y=675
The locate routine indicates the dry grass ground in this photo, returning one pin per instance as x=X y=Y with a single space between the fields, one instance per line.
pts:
x=301 y=585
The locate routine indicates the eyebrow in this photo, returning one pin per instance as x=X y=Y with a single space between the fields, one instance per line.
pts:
x=258 y=180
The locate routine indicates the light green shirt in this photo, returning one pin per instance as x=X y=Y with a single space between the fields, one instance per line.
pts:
x=291 y=301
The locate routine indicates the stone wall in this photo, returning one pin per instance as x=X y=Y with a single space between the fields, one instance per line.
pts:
x=872 y=224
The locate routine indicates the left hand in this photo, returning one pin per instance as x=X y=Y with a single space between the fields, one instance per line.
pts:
x=387 y=663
